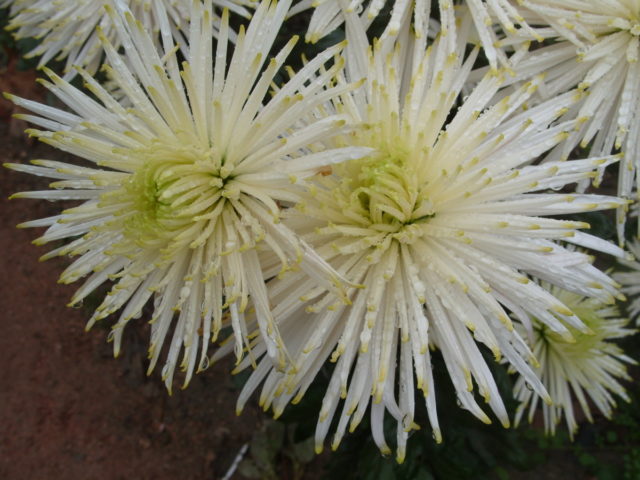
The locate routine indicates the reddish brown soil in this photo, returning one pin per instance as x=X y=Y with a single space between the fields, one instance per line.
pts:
x=67 y=408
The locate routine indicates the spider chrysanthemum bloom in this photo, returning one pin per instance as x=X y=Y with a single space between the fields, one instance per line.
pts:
x=330 y=14
x=586 y=370
x=67 y=28
x=441 y=229
x=594 y=45
x=630 y=281
x=181 y=190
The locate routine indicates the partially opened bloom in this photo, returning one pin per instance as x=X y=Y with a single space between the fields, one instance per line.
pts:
x=67 y=28
x=586 y=370
x=595 y=44
x=441 y=228
x=181 y=190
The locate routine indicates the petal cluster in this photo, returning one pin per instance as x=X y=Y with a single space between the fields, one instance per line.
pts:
x=594 y=45
x=67 y=28
x=182 y=190
x=630 y=281
x=441 y=229
x=586 y=370
x=393 y=201
x=328 y=15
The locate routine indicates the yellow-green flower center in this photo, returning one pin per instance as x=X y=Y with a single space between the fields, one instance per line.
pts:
x=590 y=312
x=379 y=199
x=173 y=191
x=631 y=23
x=384 y=189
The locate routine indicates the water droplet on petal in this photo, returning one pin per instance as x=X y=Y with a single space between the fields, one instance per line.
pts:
x=204 y=364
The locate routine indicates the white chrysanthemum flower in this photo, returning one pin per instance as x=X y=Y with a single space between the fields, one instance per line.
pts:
x=596 y=45
x=631 y=282
x=181 y=190
x=589 y=367
x=329 y=15
x=441 y=230
x=67 y=28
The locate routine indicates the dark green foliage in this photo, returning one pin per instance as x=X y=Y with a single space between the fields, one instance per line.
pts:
x=5 y=37
x=12 y=50
x=276 y=448
x=610 y=449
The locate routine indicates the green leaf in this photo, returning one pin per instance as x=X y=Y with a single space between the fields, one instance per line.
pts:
x=304 y=451
x=423 y=474
x=249 y=469
x=384 y=473
x=266 y=444
x=501 y=473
